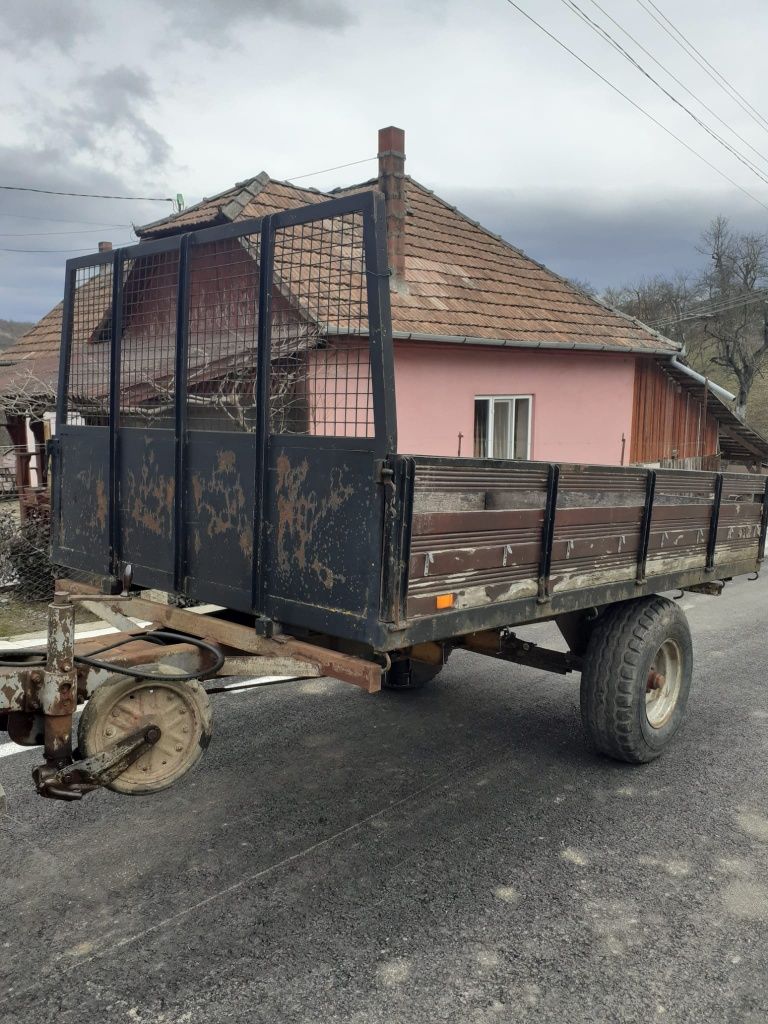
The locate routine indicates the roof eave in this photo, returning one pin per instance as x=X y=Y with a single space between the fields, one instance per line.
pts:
x=560 y=346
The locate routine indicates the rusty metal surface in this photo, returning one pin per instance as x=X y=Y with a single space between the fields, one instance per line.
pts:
x=147 y=493
x=234 y=637
x=72 y=781
x=79 y=528
x=26 y=728
x=471 y=542
x=220 y=517
x=323 y=549
x=254 y=666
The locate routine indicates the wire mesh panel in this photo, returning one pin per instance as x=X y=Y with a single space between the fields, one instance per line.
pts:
x=148 y=339
x=320 y=373
x=223 y=328
x=90 y=341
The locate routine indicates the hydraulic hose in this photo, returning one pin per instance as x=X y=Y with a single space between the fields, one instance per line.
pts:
x=16 y=659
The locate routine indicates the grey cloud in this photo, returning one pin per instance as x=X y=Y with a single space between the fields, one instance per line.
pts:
x=112 y=100
x=52 y=21
x=32 y=282
x=216 y=21
x=598 y=239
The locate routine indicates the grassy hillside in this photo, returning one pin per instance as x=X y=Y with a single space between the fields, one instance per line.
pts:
x=10 y=330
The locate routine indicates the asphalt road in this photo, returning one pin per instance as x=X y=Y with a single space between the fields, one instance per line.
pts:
x=451 y=855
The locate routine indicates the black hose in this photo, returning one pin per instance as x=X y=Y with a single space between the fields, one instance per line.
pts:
x=158 y=636
x=23 y=658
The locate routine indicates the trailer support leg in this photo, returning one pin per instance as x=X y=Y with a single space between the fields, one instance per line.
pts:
x=57 y=696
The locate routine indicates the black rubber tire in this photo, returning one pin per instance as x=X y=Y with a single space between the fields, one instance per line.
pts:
x=621 y=651
x=409 y=675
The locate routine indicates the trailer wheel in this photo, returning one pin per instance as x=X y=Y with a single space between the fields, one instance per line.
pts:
x=636 y=679
x=407 y=674
x=118 y=708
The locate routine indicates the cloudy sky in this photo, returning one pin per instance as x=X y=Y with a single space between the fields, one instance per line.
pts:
x=159 y=97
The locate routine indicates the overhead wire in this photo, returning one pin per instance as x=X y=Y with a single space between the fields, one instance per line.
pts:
x=714 y=305
x=607 y=37
x=85 y=195
x=699 y=312
x=42 y=234
x=325 y=170
x=61 y=220
x=677 y=36
x=679 y=81
x=88 y=248
x=711 y=309
x=637 y=106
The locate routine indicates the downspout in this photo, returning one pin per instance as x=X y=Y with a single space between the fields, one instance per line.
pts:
x=714 y=388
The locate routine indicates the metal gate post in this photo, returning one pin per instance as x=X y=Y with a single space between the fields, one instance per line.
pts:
x=114 y=414
x=263 y=394
x=180 y=413
x=380 y=352
x=65 y=351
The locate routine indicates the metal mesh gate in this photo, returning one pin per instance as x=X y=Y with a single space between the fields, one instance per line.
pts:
x=187 y=362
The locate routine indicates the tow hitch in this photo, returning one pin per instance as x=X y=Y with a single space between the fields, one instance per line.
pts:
x=79 y=777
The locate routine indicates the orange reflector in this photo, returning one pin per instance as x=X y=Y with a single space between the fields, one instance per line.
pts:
x=444 y=601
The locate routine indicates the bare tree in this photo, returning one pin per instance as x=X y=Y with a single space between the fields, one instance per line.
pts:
x=583 y=285
x=661 y=302
x=29 y=397
x=734 y=314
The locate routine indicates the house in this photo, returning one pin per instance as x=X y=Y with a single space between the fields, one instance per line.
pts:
x=495 y=355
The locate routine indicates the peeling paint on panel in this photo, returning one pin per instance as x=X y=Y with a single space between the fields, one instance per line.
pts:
x=304 y=520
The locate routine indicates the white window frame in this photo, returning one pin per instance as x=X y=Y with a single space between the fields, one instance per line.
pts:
x=492 y=399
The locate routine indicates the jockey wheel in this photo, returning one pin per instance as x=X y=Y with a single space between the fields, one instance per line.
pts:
x=122 y=706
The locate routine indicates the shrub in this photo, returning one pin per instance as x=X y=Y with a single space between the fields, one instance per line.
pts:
x=25 y=563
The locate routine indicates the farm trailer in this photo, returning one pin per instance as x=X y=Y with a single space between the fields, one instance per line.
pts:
x=227 y=433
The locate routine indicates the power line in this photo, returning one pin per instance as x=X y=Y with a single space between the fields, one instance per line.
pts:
x=636 y=105
x=83 y=195
x=707 y=308
x=40 y=234
x=338 y=167
x=677 y=36
x=61 y=220
x=607 y=37
x=713 y=308
x=58 y=251
x=682 y=84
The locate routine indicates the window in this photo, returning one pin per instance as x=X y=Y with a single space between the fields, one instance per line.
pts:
x=503 y=427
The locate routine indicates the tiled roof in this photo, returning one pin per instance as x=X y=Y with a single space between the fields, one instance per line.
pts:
x=34 y=358
x=461 y=282
x=255 y=197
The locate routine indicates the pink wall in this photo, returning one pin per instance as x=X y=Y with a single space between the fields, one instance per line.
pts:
x=582 y=401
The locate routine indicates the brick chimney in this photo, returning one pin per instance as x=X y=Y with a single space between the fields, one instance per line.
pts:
x=392 y=184
x=105 y=247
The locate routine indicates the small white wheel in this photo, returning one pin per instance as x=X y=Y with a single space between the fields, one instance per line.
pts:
x=182 y=712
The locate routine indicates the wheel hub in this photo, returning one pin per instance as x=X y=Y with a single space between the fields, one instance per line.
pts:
x=663 y=685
